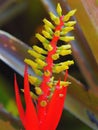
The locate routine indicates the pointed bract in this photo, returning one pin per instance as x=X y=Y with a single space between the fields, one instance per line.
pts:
x=31 y=115
x=18 y=101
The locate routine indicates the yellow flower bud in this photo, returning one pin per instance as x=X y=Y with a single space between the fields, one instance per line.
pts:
x=57 y=33
x=39 y=50
x=31 y=63
x=35 y=54
x=64 y=47
x=70 y=23
x=54 y=18
x=48 y=29
x=46 y=34
x=38 y=72
x=70 y=13
x=67 y=38
x=59 y=10
x=67 y=63
x=47 y=46
x=55 y=56
x=63 y=83
x=34 y=80
x=40 y=62
x=58 y=69
x=66 y=30
x=65 y=52
x=70 y=62
x=44 y=41
x=41 y=38
x=48 y=23
x=38 y=90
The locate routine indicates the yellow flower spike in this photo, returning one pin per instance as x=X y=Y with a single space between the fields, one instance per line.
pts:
x=41 y=38
x=70 y=13
x=39 y=50
x=59 y=9
x=54 y=18
x=48 y=29
x=34 y=96
x=34 y=80
x=50 y=93
x=67 y=38
x=35 y=54
x=55 y=56
x=31 y=63
x=38 y=90
x=48 y=23
x=64 y=47
x=46 y=34
x=40 y=62
x=66 y=30
x=65 y=52
x=58 y=69
x=70 y=23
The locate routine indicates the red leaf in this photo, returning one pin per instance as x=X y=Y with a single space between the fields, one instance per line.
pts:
x=31 y=115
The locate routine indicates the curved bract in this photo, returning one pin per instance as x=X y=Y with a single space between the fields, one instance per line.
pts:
x=49 y=93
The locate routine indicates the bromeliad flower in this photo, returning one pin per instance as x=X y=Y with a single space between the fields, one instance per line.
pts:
x=49 y=93
x=50 y=110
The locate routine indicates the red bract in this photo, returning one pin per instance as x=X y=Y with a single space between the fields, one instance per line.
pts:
x=29 y=117
x=53 y=109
